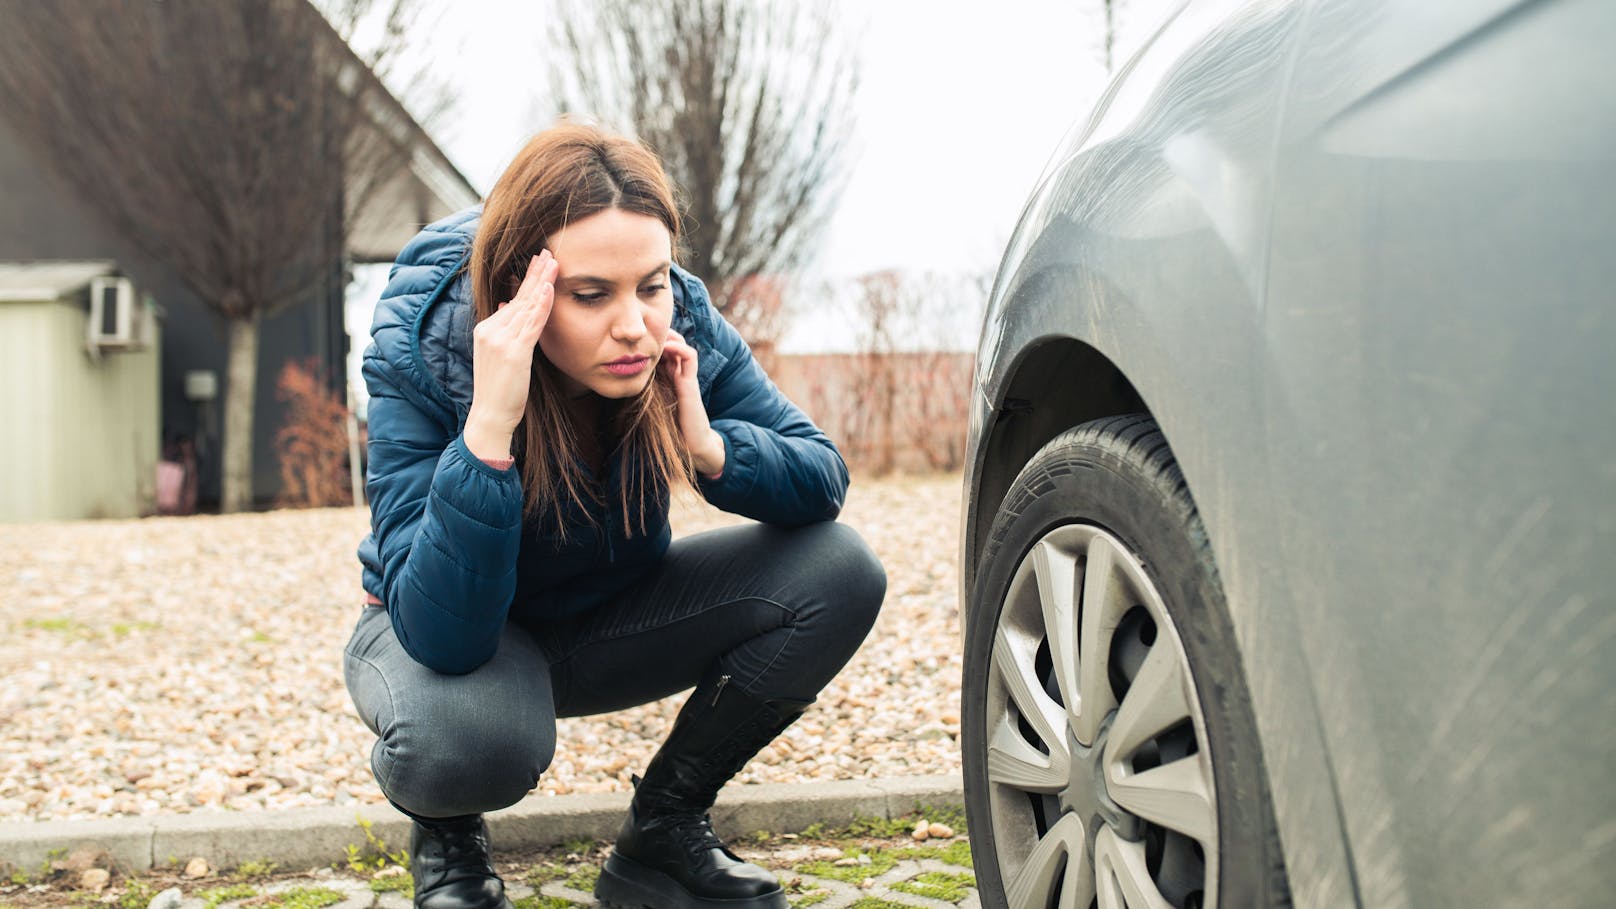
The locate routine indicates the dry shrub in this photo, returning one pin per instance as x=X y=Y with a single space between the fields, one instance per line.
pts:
x=874 y=405
x=923 y=427
x=901 y=401
x=935 y=408
x=313 y=442
x=757 y=310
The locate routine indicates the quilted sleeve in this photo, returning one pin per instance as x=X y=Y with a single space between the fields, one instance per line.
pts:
x=447 y=527
x=779 y=467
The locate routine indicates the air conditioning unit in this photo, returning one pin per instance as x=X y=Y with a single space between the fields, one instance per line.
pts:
x=118 y=319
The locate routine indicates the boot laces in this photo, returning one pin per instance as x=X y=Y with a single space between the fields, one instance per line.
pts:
x=695 y=831
x=465 y=850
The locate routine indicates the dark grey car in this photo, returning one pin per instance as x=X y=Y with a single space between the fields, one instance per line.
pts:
x=1290 y=536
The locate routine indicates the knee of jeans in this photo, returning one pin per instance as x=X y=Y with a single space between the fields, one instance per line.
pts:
x=859 y=578
x=451 y=773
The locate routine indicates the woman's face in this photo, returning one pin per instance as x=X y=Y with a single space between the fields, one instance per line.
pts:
x=613 y=303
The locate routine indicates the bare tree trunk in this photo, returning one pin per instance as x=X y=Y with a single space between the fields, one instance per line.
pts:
x=241 y=389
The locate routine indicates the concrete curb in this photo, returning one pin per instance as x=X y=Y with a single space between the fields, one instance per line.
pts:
x=312 y=837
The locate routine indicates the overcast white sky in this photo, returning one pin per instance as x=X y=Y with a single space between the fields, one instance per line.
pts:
x=960 y=107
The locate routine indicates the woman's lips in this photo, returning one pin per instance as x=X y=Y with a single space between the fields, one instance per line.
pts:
x=627 y=366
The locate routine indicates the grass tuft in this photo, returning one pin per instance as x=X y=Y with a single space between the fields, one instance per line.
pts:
x=584 y=878
x=300 y=898
x=957 y=852
x=540 y=901
x=539 y=875
x=138 y=896
x=939 y=885
x=255 y=869
x=398 y=883
x=881 y=861
x=889 y=827
x=581 y=846
x=213 y=896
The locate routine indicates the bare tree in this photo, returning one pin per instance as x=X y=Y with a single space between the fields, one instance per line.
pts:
x=233 y=142
x=749 y=105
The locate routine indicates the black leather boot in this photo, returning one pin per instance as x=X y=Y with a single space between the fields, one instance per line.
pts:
x=667 y=856
x=450 y=863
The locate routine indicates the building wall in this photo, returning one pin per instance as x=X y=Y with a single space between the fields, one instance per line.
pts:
x=41 y=217
x=82 y=433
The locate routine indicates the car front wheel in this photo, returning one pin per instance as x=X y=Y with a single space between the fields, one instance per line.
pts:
x=1111 y=756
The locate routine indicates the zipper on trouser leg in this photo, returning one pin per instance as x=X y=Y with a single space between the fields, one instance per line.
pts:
x=719 y=688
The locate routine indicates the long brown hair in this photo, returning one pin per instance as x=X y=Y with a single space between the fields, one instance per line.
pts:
x=564 y=174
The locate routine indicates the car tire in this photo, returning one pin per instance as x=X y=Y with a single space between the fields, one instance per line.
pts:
x=1103 y=512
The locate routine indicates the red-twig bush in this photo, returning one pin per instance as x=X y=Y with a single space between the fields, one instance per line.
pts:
x=901 y=401
x=757 y=310
x=903 y=411
x=313 y=442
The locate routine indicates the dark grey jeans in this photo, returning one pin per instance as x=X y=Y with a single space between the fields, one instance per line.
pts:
x=778 y=610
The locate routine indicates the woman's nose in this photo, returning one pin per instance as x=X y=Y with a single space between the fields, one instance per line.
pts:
x=629 y=324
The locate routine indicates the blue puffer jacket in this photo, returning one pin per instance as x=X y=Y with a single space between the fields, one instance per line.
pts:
x=448 y=552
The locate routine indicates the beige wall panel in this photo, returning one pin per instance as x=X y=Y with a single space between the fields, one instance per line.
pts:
x=28 y=382
x=87 y=431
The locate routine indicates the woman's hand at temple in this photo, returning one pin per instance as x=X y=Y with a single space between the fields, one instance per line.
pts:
x=502 y=360
x=705 y=445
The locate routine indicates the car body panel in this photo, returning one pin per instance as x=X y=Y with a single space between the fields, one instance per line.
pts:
x=1181 y=237
x=1441 y=323
x=1146 y=247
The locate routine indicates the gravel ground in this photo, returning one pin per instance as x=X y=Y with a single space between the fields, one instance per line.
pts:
x=172 y=665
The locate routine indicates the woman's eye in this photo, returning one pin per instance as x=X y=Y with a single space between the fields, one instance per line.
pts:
x=589 y=298
x=653 y=289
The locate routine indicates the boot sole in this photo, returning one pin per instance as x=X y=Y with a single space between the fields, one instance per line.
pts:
x=504 y=903
x=627 y=884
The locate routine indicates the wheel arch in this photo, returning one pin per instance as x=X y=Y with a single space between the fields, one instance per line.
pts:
x=1074 y=383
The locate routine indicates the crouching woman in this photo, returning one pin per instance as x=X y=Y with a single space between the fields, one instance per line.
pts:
x=543 y=376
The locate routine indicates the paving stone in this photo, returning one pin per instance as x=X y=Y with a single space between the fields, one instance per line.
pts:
x=562 y=891
x=909 y=899
x=357 y=894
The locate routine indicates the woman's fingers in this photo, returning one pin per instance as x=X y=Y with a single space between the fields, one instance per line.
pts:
x=676 y=341
x=679 y=357
x=529 y=287
x=540 y=272
x=523 y=316
x=543 y=298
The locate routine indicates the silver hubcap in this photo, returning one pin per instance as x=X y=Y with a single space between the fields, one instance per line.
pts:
x=1099 y=777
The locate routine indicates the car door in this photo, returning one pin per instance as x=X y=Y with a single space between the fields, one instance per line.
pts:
x=1441 y=434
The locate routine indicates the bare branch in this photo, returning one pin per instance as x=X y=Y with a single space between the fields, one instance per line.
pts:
x=747 y=102
x=233 y=142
